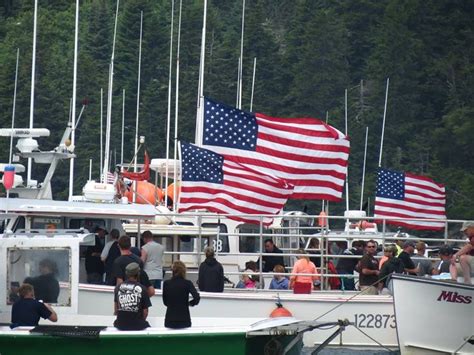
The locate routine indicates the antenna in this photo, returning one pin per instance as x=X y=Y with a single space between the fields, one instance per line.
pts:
x=383 y=123
x=363 y=169
x=32 y=99
x=253 y=82
x=200 y=101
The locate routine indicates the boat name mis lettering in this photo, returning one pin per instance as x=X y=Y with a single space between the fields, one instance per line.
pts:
x=369 y=320
x=454 y=297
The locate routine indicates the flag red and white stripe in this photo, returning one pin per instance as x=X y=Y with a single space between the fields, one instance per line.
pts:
x=306 y=152
x=220 y=185
x=419 y=197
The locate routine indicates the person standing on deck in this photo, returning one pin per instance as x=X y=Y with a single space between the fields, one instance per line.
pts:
x=95 y=266
x=390 y=266
x=369 y=269
x=442 y=266
x=405 y=256
x=211 y=273
x=303 y=283
x=152 y=257
x=425 y=264
x=270 y=261
x=463 y=260
x=176 y=293
x=27 y=311
x=126 y=258
x=110 y=252
x=131 y=301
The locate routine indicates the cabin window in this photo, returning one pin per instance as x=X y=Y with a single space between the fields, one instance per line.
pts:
x=251 y=243
x=48 y=270
x=220 y=245
x=87 y=223
x=48 y=223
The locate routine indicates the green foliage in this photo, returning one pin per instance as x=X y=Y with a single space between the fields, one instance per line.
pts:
x=308 y=52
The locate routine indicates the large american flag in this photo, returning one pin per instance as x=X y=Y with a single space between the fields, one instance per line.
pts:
x=410 y=196
x=306 y=152
x=220 y=185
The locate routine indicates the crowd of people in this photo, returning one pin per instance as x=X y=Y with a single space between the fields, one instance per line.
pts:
x=137 y=273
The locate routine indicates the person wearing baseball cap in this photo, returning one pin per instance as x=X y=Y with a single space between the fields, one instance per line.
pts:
x=405 y=256
x=463 y=260
x=131 y=301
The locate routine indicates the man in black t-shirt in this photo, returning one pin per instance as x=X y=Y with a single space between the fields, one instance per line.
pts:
x=131 y=301
x=127 y=257
x=270 y=261
x=405 y=256
x=27 y=311
x=369 y=270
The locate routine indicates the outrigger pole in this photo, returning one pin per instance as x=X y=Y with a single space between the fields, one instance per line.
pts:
x=176 y=111
x=32 y=99
x=109 y=102
x=168 y=116
x=73 y=112
x=101 y=133
x=200 y=100
x=123 y=126
x=135 y=168
x=241 y=61
x=363 y=168
x=383 y=123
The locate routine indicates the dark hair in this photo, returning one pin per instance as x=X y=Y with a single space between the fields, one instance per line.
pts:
x=124 y=242
x=269 y=240
x=114 y=233
x=147 y=235
x=251 y=265
x=372 y=241
x=50 y=265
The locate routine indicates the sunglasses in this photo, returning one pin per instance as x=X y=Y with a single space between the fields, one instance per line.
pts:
x=370 y=246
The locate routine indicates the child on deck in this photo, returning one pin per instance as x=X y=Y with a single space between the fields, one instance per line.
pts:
x=279 y=282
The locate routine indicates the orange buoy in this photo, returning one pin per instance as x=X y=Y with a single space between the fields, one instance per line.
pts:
x=146 y=193
x=170 y=191
x=280 y=311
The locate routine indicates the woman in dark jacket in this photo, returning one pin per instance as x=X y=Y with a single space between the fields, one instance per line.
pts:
x=211 y=273
x=176 y=298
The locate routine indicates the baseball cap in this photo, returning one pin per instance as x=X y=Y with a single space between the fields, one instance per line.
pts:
x=445 y=250
x=408 y=243
x=132 y=269
x=467 y=225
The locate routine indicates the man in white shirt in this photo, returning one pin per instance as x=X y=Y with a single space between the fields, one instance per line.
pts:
x=152 y=257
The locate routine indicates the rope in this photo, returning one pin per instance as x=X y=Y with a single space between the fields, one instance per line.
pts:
x=349 y=299
x=375 y=341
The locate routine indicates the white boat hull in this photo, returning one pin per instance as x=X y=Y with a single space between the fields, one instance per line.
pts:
x=372 y=314
x=433 y=316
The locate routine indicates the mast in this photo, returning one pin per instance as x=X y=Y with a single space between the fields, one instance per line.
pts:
x=32 y=99
x=109 y=101
x=138 y=103
x=253 y=82
x=200 y=100
x=363 y=168
x=74 y=94
x=175 y=157
x=101 y=132
x=168 y=117
x=383 y=123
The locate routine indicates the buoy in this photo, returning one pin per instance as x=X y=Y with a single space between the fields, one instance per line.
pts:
x=8 y=176
x=146 y=193
x=364 y=225
x=280 y=311
x=170 y=193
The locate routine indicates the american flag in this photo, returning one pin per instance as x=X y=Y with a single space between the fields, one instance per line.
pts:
x=220 y=185
x=411 y=196
x=306 y=152
x=109 y=178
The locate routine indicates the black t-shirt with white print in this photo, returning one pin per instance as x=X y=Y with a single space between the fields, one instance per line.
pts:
x=131 y=298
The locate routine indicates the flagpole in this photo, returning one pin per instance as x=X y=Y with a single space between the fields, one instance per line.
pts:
x=168 y=116
x=241 y=57
x=253 y=82
x=363 y=169
x=175 y=157
x=347 y=174
x=383 y=123
x=123 y=126
x=200 y=100
x=101 y=133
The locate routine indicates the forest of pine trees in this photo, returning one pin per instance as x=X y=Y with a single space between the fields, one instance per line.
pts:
x=308 y=52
